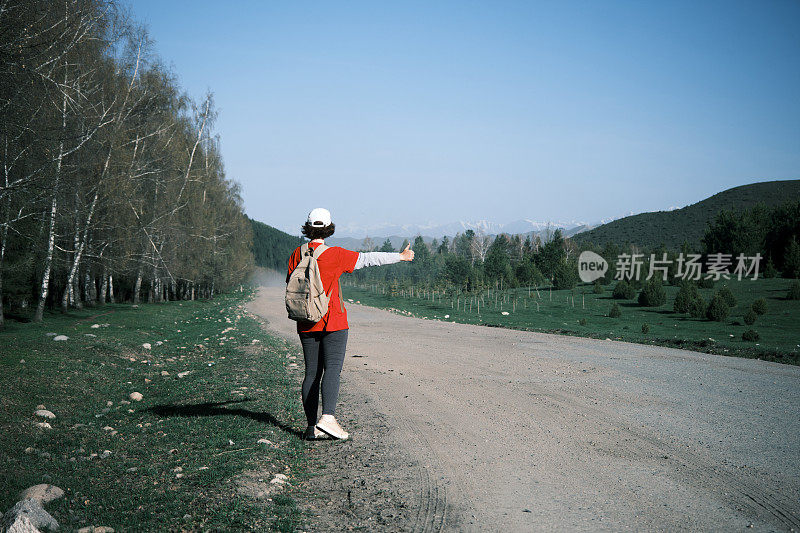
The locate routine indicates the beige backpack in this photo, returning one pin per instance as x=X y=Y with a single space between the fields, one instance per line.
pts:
x=305 y=296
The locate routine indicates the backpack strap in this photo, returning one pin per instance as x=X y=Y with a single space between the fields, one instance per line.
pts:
x=321 y=248
x=341 y=298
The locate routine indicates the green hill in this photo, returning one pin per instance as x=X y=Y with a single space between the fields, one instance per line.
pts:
x=689 y=223
x=271 y=247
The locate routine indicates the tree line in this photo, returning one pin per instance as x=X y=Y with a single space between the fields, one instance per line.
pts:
x=272 y=247
x=112 y=184
x=472 y=261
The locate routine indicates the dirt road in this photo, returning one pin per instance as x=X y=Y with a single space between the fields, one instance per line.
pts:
x=520 y=431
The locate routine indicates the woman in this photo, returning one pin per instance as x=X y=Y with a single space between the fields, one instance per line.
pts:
x=324 y=342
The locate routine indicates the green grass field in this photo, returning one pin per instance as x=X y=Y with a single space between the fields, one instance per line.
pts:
x=206 y=423
x=583 y=313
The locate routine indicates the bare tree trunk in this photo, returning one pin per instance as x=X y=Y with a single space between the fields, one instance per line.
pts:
x=51 y=241
x=80 y=245
x=2 y=256
x=76 y=291
x=103 y=287
x=111 y=288
x=48 y=262
x=137 y=286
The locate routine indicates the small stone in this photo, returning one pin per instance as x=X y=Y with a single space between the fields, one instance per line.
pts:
x=43 y=492
x=108 y=428
x=113 y=432
x=281 y=476
x=29 y=450
x=41 y=406
x=183 y=374
x=103 y=529
x=105 y=454
x=136 y=396
x=109 y=403
x=28 y=516
x=178 y=475
x=147 y=380
x=87 y=529
x=43 y=425
x=230 y=442
x=22 y=361
x=45 y=455
x=124 y=402
x=187 y=516
x=51 y=334
x=146 y=346
x=264 y=441
x=132 y=469
x=177 y=469
x=44 y=413
x=164 y=373
x=95 y=326
x=60 y=338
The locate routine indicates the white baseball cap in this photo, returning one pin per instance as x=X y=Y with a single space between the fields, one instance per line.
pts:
x=319 y=217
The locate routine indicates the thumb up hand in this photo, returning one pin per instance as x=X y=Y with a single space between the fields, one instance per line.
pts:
x=407 y=254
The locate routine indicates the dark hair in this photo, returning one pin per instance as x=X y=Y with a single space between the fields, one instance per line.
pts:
x=318 y=232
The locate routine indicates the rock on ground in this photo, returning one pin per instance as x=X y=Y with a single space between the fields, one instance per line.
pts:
x=136 y=396
x=45 y=413
x=43 y=425
x=60 y=338
x=44 y=492
x=28 y=515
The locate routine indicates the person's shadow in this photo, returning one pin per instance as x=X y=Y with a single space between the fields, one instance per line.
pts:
x=214 y=409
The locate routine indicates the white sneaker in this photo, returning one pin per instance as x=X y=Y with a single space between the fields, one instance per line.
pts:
x=329 y=425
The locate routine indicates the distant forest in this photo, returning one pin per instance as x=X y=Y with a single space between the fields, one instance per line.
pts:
x=112 y=183
x=272 y=247
x=473 y=261
x=672 y=228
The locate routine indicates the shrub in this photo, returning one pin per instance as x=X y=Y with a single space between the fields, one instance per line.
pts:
x=718 y=309
x=750 y=335
x=759 y=306
x=653 y=293
x=697 y=307
x=623 y=291
x=615 y=311
x=686 y=294
x=750 y=317
x=582 y=322
x=645 y=328
x=792 y=294
x=565 y=276
x=598 y=287
x=728 y=296
x=769 y=270
x=706 y=283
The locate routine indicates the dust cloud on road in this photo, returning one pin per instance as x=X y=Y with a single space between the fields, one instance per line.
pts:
x=523 y=431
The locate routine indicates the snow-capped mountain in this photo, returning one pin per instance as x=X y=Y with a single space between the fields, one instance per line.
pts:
x=440 y=230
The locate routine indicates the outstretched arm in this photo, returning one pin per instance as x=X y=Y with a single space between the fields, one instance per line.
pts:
x=366 y=259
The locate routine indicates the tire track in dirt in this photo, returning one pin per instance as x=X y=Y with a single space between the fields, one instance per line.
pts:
x=760 y=499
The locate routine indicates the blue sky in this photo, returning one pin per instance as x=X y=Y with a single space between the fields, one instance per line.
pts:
x=432 y=112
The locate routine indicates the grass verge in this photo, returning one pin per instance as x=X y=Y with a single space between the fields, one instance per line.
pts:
x=582 y=313
x=184 y=458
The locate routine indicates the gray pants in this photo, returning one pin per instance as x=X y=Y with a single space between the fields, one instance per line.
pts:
x=323 y=352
